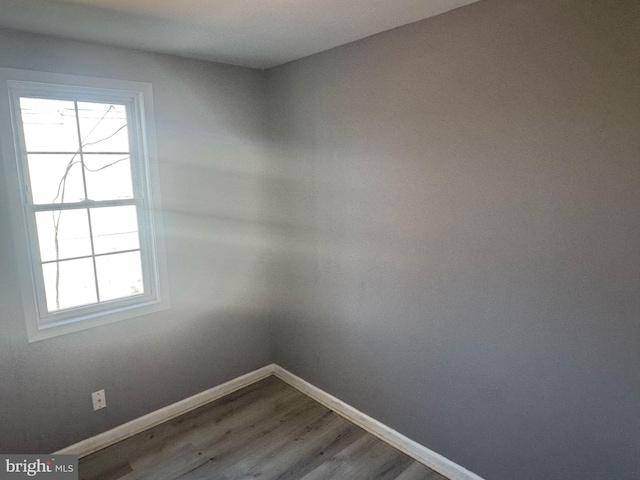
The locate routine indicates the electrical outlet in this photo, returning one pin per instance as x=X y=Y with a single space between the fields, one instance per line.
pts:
x=99 y=400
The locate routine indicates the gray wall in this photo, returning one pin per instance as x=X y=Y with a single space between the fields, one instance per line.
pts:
x=461 y=200
x=210 y=121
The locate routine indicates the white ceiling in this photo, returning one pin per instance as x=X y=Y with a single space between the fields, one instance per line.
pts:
x=253 y=33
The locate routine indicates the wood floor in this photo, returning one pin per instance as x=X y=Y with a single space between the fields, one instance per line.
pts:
x=268 y=431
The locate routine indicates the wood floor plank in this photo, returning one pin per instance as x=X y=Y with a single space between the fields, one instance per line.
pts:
x=275 y=458
x=210 y=421
x=267 y=430
x=234 y=456
x=417 y=471
x=299 y=455
x=300 y=465
x=244 y=407
x=368 y=458
x=111 y=468
x=212 y=450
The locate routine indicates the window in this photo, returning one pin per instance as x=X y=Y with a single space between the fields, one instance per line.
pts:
x=89 y=212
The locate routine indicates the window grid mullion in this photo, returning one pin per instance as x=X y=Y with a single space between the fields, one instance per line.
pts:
x=46 y=262
x=73 y=153
x=86 y=196
x=45 y=207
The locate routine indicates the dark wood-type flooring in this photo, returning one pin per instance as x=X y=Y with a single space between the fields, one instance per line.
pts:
x=268 y=431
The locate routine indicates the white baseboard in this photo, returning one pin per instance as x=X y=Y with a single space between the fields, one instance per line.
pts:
x=129 y=429
x=416 y=451
x=422 y=454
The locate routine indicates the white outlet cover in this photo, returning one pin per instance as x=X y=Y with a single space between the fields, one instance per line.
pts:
x=99 y=400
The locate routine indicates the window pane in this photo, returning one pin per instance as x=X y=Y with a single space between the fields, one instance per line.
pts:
x=49 y=125
x=119 y=275
x=48 y=182
x=108 y=177
x=69 y=284
x=103 y=127
x=70 y=227
x=114 y=229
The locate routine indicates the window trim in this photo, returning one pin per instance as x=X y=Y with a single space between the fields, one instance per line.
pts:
x=138 y=97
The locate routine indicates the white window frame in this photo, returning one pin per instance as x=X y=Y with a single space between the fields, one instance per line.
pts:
x=138 y=97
